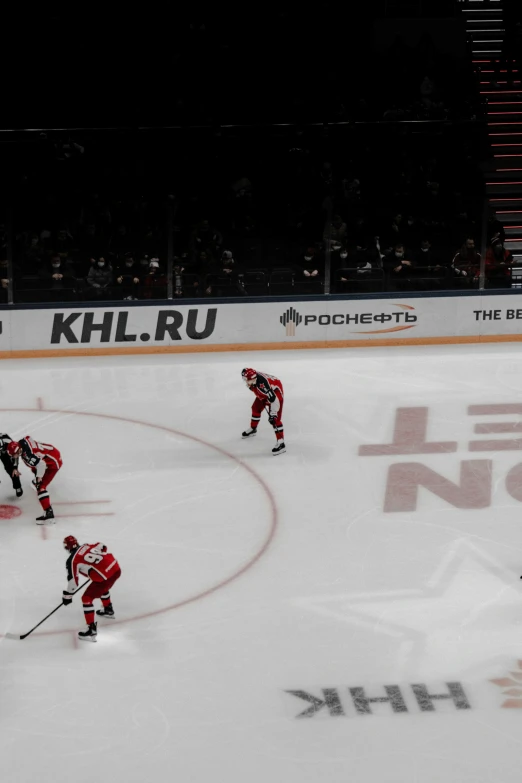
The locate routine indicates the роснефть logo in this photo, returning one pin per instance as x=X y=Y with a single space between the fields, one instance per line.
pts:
x=291 y=319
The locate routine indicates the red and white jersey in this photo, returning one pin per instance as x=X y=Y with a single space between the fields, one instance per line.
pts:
x=93 y=561
x=34 y=452
x=269 y=390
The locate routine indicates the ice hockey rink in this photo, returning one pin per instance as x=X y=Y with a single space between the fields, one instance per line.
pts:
x=348 y=611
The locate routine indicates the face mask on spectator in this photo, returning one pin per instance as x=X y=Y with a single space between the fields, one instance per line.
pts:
x=398 y=254
x=101 y=263
x=56 y=265
x=344 y=254
x=308 y=258
x=129 y=263
x=424 y=249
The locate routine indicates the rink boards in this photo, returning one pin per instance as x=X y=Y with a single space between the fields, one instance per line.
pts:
x=255 y=324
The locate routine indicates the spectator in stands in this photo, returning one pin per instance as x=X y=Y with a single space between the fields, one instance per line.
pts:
x=343 y=263
x=498 y=264
x=99 y=278
x=364 y=265
x=128 y=279
x=372 y=252
x=430 y=272
x=466 y=262
x=366 y=257
x=310 y=263
x=398 y=266
x=155 y=283
x=57 y=275
x=425 y=258
x=228 y=264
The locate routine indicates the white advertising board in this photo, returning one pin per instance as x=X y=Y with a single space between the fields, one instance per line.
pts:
x=248 y=324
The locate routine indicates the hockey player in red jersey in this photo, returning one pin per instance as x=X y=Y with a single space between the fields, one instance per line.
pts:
x=269 y=396
x=45 y=461
x=101 y=567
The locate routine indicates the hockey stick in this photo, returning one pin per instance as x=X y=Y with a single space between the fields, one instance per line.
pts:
x=25 y=635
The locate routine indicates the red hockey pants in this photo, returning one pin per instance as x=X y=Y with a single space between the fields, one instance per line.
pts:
x=257 y=409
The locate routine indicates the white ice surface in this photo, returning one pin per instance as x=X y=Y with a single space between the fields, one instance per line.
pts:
x=343 y=595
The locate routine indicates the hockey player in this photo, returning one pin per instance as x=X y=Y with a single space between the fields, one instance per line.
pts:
x=45 y=461
x=10 y=464
x=95 y=562
x=269 y=395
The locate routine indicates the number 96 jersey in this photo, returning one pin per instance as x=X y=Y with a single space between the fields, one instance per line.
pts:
x=92 y=561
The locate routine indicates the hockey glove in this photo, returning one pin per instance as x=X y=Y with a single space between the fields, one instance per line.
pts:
x=272 y=418
x=66 y=598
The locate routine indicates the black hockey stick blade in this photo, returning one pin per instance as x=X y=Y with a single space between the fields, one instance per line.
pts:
x=19 y=637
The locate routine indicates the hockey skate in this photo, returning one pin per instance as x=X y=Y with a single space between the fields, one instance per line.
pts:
x=107 y=611
x=19 y=492
x=279 y=449
x=47 y=518
x=90 y=635
x=249 y=433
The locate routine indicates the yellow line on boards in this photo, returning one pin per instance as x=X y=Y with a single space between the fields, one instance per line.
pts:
x=286 y=346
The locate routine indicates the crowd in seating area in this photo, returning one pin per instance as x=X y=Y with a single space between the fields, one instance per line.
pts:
x=377 y=208
x=386 y=195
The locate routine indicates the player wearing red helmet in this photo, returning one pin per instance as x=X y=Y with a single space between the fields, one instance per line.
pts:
x=270 y=396
x=70 y=543
x=37 y=456
x=102 y=568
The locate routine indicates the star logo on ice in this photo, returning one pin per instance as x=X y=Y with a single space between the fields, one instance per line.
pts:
x=458 y=615
x=513 y=686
